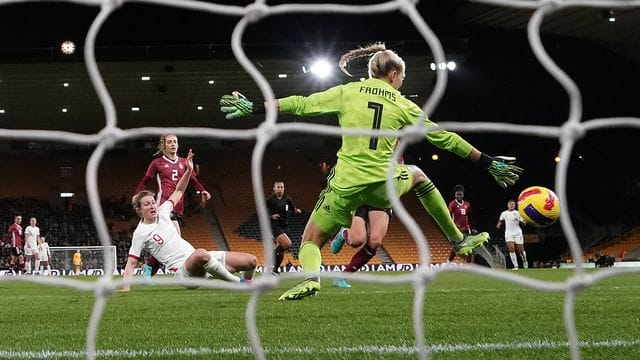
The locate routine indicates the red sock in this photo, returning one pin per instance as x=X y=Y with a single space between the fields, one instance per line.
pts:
x=452 y=255
x=360 y=259
x=155 y=265
x=345 y=235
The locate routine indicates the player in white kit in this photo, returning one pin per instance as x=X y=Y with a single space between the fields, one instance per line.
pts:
x=45 y=256
x=31 y=237
x=513 y=233
x=156 y=234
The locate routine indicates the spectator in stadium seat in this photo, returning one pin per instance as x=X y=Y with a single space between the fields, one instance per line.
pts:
x=167 y=170
x=360 y=174
x=368 y=226
x=156 y=234
x=280 y=207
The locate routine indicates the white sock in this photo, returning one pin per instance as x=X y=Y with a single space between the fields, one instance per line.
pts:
x=215 y=268
x=27 y=267
x=514 y=259
x=524 y=255
x=36 y=266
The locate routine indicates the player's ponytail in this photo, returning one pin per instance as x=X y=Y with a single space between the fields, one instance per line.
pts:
x=161 y=145
x=359 y=53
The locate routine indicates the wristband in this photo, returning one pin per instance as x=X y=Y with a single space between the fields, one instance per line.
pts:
x=485 y=160
x=258 y=108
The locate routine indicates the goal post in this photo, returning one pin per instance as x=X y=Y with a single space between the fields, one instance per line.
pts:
x=92 y=259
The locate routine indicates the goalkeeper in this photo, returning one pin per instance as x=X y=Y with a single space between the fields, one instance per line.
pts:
x=359 y=175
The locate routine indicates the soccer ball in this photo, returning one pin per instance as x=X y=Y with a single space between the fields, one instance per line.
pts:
x=538 y=206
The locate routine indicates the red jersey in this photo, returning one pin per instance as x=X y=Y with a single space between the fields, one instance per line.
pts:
x=167 y=173
x=461 y=215
x=15 y=235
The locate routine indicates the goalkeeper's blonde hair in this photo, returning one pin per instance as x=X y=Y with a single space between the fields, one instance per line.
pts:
x=382 y=60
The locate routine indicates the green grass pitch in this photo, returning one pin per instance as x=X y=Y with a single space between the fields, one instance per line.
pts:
x=466 y=317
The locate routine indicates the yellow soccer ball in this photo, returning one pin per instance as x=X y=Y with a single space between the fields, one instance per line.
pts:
x=538 y=206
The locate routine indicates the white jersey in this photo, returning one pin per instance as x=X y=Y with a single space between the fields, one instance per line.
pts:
x=161 y=240
x=45 y=253
x=31 y=234
x=511 y=221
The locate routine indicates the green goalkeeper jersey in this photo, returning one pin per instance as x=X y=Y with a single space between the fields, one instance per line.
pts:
x=369 y=104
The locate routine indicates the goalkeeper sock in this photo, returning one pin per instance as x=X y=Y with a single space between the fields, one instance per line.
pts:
x=514 y=259
x=215 y=268
x=433 y=202
x=310 y=257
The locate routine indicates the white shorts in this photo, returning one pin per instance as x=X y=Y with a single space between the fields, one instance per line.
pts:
x=31 y=250
x=517 y=237
x=44 y=258
x=221 y=256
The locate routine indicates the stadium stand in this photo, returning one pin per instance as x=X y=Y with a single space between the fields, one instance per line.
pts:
x=34 y=180
x=402 y=248
x=628 y=242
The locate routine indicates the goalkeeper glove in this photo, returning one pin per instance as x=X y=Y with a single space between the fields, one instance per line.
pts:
x=237 y=105
x=501 y=168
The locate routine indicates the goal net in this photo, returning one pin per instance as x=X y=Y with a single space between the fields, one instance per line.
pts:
x=92 y=260
x=572 y=130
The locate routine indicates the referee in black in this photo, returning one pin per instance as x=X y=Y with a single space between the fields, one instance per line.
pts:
x=280 y=207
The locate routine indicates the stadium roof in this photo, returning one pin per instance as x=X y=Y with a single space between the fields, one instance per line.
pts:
x=182 y=51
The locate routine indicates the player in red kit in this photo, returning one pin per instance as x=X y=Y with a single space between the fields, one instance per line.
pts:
x=15 y=239
x=167 y=170
x=460 y=211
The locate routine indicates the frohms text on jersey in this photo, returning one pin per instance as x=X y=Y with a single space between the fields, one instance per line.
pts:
x=378 y=91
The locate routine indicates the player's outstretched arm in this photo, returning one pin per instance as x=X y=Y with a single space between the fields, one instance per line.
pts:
x=237 y=105
x=128 y=273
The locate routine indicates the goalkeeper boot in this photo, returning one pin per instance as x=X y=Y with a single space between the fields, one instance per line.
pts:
x=470 y=243
x=338 y=241
x=308 y=287
x=146 y=271
x=341 y=283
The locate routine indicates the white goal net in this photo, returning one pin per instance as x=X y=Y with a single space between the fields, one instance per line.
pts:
x=573 y=129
